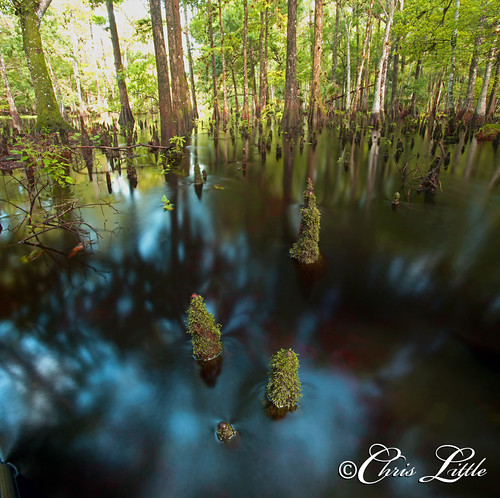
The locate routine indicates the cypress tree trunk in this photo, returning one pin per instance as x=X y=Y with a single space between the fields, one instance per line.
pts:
x=181 y=104
x=245 y=115
x=480 y=113
x=190 y=62
x=471 y=84
x=262 y=61
x=347 y=63
x=494 y=90
x=364 y=57
x=291 y=113
x=315 y=97
x=378 y=100
x=451 y=77
x=126 y=118
x=236 y=103
x=335 y=40
x=216 y=112
x=164 y=98
x=48 y=114
x=225 y=110
x=14 y=114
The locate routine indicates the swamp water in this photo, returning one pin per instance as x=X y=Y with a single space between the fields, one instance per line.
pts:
x=397 y=332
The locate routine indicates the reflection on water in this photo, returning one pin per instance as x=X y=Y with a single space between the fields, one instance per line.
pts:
x=395 y=335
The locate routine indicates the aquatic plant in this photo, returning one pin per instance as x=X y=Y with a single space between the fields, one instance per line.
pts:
x=306 y=249
x=205 y=333
x=225 y=431
x=283 y=390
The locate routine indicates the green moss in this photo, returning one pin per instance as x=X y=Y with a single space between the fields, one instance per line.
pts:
x=198 y=179
x=225 y=431
x=306 y=249
x=205 y=333
x=284 y=388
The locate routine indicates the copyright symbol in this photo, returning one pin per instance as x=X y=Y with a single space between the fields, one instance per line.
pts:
x=347 y=470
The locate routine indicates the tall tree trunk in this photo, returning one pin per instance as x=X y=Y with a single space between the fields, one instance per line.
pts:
x=48 y=114
x=190 y=62
x=494 y=89
x=480 y=113
x=291 y=114
x=76 y=72
x=181 y=103
x=347 y=62
x=164 y=97
x=126 y=118
x=451 y=77
x=236 y=103
x=364 y=91
x=414 y=94
x=263 y=60
x=471 y=84
x=14 y=114
x=245 y=115
x=378 y=99
x=225 y=110
x=363 y=59
x=315 y=106
x=216 y=112
x=335 y=42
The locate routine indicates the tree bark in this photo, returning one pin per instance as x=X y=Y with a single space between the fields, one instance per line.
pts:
x=414 y=94
x=216 y=111
x=190 y=62
x=48 y=114
x=263 y=61
x=471 y=84
x=347 y=62
x=364 y=57
x=494 y=89
x=225 y=110
x=315 y=106
x=335 y=41
x=164 y=97
x=181 y=104
x=378 y=100
x=451 y=77
x=480 y=113
x=291 y=113
x=14 y=114
x=245 y=115
x=126 y=118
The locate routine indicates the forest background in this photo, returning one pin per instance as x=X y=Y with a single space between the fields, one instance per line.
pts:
x=228 y=58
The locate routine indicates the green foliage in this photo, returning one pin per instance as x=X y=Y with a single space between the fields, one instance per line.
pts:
x=167 y=205
x=205 y=333
x=306 y=249
x=177 y=143
x=284 y=388
x=49 y=161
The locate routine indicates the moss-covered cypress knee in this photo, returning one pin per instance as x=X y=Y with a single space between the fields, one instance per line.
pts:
x=205 y=333
x=283 y=389
x=198 y=178
x=225 y=431
x=306 y=249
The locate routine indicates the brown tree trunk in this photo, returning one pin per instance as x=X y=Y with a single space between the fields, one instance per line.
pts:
x=14 y=114
x=480 y=113
x=236 y=103
x=190 y=62
x=216 y=112
x=414 y=94
x=245 y=115
x=291 y=112
x=315 y=106
x=494 y=89
x=126 y=117
x=263 y=61
x=364 y=57
x=164 y=98
x=181 y=104
x=225 y=110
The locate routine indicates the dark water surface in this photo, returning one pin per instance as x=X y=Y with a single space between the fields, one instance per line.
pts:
x=397 y=333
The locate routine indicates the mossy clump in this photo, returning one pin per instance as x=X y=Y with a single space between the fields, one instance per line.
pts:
x=198 y=178
x=306 y=249
x=205 y=333
x=283 y=390
x=225 y=431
